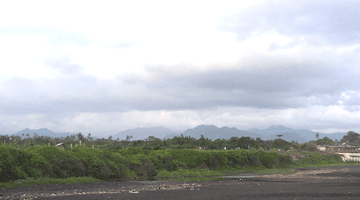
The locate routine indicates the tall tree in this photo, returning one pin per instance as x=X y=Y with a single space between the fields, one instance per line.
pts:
x=89 y=136
x=279 y=136
x=201 y=141
x=80 y=136
x=317 y=135
x=128 y=137
x=73 y=137
x=351 y=138
x=152 y=138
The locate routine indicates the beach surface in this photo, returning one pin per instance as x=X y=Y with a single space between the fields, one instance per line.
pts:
x=335 y=182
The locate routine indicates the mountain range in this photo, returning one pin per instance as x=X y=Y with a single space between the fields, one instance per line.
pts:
x=41 y=132
x=143 y=133
x=212 y=132
x=208 y=131
x=308 y=135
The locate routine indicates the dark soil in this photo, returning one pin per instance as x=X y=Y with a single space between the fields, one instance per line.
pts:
x=345 y=185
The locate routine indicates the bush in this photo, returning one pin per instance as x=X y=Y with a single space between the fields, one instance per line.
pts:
x=116 y=164
x=252 y=149
x=19 y=164
x=63 y=163
x=286 y=147
x=190 y=157
x=92 y=158
x=175 y=164
x=267 y=159
x=274 y=149
x=308 y=147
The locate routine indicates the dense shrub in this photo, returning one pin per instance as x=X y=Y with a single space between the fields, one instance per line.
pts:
x=308 y=147
x=16 y=164
x=63 y=163
x=144 y=159
x=190 y=157
x=267 y=159
x=92 y=158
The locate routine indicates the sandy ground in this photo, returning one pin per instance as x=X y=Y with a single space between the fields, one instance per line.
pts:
x=306 y=174
x=303 y=180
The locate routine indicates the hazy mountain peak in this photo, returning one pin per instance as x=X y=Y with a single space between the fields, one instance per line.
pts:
x=226 y=127
x=43 y=129
x=141 y=133
x=278 y=127
x=206 y=126
x=201 y=128
x=39 y=132
x=208 y=131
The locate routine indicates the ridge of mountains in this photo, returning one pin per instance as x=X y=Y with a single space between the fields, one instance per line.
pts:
x=208 y=131
x=40 y=132
x=270 y=133
x=144 y=133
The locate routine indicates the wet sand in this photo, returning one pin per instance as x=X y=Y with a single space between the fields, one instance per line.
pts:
x=337 y=182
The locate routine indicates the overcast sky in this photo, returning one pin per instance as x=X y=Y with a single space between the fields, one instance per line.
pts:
x=100 y=68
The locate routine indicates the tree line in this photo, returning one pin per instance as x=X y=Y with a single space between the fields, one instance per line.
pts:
x=181 y=142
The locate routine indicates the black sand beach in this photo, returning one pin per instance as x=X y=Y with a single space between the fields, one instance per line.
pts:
x=343 y=183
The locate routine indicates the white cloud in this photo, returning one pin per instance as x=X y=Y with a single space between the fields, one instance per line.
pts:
x=109 y=66
x=326 y=119
x=163 y=33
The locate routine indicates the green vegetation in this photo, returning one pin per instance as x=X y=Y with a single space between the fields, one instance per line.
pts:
x=324 y=141
x=31 y=161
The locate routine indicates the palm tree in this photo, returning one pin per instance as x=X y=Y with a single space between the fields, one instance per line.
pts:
x=317 y=135
x=128 y=137
x=89 y=136
x=23 y=136
x=80 y=136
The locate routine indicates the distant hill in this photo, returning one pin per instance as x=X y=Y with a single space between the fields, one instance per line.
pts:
x=271 y=130
x=208 y=131
x=307 y=135
x=288 y=137
x=41 y=132
x=143 y=133
x=212 y=132
x=270 y=133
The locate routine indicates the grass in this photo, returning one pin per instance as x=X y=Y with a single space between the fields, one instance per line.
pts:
x=190 y=174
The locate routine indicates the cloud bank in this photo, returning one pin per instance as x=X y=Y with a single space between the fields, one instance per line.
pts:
x=246 y=66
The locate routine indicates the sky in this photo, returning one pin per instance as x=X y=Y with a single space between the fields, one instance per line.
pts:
x=102 y=67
